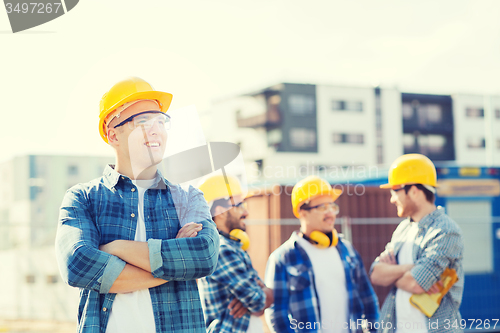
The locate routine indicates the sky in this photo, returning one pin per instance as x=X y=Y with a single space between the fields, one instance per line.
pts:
x=53 y=76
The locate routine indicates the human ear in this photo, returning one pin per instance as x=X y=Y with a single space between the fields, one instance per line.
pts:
x=220 y=211
x=113 y=137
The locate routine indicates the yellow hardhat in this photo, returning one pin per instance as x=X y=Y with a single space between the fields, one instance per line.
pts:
x=128 y=90
x=215 y=187
x=310 y=188
x=411 y=169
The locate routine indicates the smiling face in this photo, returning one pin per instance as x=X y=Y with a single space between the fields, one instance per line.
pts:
x=229 y=217
x=403 y=202
x=136 y=145
x=314 y=219
x=237 y=215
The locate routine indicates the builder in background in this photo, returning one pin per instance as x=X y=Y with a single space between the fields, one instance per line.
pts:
x=126 y=239
x=233 y=296
x=423 y=245
x=318 y=278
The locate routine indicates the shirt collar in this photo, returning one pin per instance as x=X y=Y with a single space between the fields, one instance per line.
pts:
x=111 y=178
x=230 y=241
x=427 y=220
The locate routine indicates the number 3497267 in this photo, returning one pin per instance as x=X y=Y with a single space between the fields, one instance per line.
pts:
x=471 y=323
x=33 y=8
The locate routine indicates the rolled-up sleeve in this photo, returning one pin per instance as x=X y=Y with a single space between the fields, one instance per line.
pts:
x=187 y=258
x=233 y=273
x=445 y=247
x=80 y=261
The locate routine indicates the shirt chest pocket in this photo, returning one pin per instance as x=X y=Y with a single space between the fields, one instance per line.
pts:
x=297 y=278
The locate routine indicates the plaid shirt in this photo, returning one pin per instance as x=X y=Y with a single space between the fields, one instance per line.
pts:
x=234 y=277
x=438 y=245
x=105 y=210
x=290 y=273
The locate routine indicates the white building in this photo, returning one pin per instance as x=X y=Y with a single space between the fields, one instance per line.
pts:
x=477 y=129
x=31 y=194
x=292 y=130
x=32 y=190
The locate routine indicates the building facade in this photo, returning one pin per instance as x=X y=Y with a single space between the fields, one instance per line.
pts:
x=32 y=190
x=291 y=130
x=34 y=186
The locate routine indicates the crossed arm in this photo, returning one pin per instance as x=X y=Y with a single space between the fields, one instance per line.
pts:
x=137 y=272
x=124 y=266
x=387 y=272
x=238 y=310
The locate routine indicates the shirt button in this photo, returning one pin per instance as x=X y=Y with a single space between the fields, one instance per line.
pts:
x=133 y=215
x=123 y=177
x=133 y=189
x=104 y=309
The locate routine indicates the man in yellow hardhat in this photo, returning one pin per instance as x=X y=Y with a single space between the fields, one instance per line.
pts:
x=318 y=278
x=233 y=296
x=131 y=241
x=422 y=247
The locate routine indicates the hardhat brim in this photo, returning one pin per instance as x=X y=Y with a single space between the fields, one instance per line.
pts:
x=334 y=193
x=165 y=99
x=389 y=186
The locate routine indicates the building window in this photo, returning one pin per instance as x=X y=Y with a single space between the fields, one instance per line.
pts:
x=347 y=105
x=302 y=138
x=432 y=144
x=274 y=137
x=434 y=113
x=348 y=138
x=475 y=143
x=35 y=191
x=260 y=165
x=407 y=111
x=497 y=113
x=301 y=105
x=51 y=279
x=30 y=278
x=474 y=112
x=73 y=170
x=408 y=142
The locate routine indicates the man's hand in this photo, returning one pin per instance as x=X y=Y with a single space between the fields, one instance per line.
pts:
x=237 y=308
x=269 y=295
x=388 y=257
x=189 y=230
x=435 y=288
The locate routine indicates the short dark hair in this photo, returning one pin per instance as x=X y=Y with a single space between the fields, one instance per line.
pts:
x=429 y=196
x=219 y=202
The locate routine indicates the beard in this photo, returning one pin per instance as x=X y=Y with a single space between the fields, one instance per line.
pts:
x=233 y=222
x=408 y=209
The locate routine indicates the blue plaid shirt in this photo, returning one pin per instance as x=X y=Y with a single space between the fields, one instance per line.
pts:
x=438 y=245
x=234 y=277
x=290 y=274
x=105 y=210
